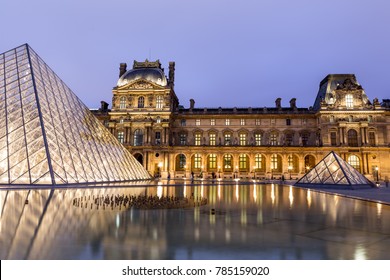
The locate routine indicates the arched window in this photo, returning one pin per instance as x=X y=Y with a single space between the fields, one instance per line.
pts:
x=212 y=162
x=274 y=162
x=371 y=138
x=197 y=164
x=354 y=161
x=141 y=102
x=122 y=103
x=259 y=163
x=159 y=102
x=138 y=137
x=227 y=163
x=352 y=138
x=292 y=161
x=243 y=162
x=310 y=161
x=181 y=162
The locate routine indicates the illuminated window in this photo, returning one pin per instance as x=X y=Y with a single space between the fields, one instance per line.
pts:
x=273 y=139
x=158 y=120
x=197 y=122
x=122 y=103
x=257 y=122
x=227 y=163
x=141 y=102
x=212 y=122
x=331 y=119
x=349 y=101
x=227 y=122
x=138 y=137
x=212 y=138
x=290 y=162
x=258 y=161
x=228 y=137
x=121 y=136
x=159 y=102
x=121 y=120
x=257 y=139
x=242 y=122
x=198 y=139
x=212 y=164
x=274 y=162
x=242 y=139
x=354 y=161
x=369 y=118
x=243 y=162
x=197 y=161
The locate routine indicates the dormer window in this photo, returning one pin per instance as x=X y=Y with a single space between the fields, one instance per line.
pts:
x=349 y=101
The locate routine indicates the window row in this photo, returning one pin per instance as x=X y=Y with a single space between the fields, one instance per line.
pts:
x=352 y=138
x=124 y=102
x=273 y=138
x=138 y=137
x=228 y=122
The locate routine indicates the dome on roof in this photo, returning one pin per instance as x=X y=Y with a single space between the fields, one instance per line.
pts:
x=154 y=75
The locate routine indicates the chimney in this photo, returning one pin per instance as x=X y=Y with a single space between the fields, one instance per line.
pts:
x=192 y=103
x=103 y=106
x=278 y=102
x=171 y=74
x=122 y=69
x=293 y=104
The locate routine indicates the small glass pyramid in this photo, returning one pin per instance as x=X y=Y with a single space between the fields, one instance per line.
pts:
x=47 y=135
x=333 y=170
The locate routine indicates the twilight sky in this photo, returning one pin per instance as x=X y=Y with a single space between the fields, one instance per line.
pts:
x=228 y=53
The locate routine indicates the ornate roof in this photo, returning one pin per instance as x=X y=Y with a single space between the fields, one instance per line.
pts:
x=149 y=71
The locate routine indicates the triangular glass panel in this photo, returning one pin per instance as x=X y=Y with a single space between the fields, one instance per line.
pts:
x=47 y=134
x=332 y=170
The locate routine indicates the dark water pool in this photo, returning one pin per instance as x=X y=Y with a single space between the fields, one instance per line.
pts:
x=237 y=222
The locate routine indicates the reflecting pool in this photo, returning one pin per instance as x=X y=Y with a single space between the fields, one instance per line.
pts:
x=191 y=221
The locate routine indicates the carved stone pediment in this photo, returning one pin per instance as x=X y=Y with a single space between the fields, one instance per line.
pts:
x=140 y=85
x=349 y=85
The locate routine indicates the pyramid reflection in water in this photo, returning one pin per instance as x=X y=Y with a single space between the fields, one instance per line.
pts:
x=333 y=170
x=47 y=135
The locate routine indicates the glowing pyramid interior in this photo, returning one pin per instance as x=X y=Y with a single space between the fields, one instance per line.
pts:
x=333 y=170
x=47 y=135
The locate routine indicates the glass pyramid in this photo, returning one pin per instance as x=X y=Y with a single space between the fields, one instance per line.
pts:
x=47 y=135
x=333 y=170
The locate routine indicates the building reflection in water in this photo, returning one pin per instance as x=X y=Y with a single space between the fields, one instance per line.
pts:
x=238 y=222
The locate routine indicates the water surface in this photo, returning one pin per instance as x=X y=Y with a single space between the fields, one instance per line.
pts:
x=238 y=222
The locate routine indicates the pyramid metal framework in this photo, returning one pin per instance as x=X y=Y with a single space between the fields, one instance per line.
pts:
x=47 y=135
x=333 y=170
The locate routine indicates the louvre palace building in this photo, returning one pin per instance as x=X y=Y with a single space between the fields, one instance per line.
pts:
x=170 y=140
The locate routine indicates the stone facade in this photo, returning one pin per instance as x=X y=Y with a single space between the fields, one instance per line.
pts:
x=253 y=142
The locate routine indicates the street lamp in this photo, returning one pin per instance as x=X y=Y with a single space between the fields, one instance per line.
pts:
x=289 y=170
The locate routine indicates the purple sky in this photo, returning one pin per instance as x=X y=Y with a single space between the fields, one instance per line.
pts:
x=227 y=53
